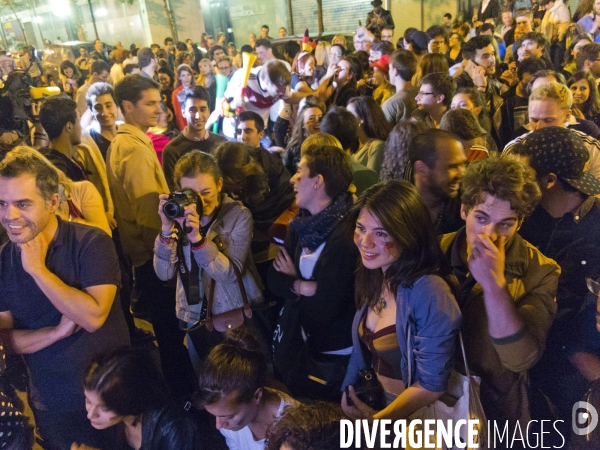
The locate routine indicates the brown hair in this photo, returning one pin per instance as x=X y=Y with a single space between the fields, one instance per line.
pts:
x=242 y=176
x=333 y=164
x=503 y=178
x=235 y=365
x=195 y=163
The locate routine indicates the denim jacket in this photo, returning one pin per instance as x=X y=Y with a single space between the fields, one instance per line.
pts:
x=431 y=312
x=228 y=242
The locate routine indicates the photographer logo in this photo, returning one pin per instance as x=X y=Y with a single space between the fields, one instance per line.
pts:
x=587 y=417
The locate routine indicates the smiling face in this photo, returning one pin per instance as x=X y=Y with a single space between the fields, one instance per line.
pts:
x=335 y=55
x=23 y=211
x=309 y=67
x=581 y=92
x=312 y=120
x=99 y=415
x=196 y=113
x=376 y=246
x=493 y=218
x=443 y=179
x=68 y=72
x=304 y=185
x=207 y=188
x=231 y=414
x=165 y=81
x=104 y=110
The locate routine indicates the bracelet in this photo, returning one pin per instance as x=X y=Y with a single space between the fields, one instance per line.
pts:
x=167 y=233
x=198 y=245
x=36 y=119
x=167 y=240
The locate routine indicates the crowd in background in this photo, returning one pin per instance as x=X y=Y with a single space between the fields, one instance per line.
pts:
x=377 y=201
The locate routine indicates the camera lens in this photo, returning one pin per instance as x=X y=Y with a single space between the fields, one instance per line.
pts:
x=171 y=209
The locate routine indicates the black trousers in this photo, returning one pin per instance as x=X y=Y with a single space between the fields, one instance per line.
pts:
x=159 y=298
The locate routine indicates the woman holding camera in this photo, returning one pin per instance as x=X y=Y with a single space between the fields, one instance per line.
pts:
x=407 y=315
x=210 y=236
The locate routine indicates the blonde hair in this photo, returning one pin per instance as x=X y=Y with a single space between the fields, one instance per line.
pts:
x=342 y=38
x=558 y=92
x=322 y=54
x=319 y=139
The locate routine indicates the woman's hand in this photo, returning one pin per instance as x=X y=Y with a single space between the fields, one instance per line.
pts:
x=167 y=224
x=305 y=288
x=283 y=263
x=191 y=220
x=360 y=410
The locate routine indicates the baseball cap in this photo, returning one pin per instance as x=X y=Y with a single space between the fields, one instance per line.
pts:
x=419 y=41
x=382 y=63
x=561 y=151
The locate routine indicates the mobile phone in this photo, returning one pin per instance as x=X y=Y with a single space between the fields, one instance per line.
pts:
x=276 y=240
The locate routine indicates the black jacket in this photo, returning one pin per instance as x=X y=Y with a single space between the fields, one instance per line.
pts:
x=327 y=316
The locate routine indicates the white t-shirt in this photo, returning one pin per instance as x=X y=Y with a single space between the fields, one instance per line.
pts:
x=243 y=439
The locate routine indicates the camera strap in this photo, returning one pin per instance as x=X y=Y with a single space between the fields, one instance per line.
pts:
x=190 y=279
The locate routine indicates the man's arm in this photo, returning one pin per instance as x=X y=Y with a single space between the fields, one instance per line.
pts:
x=31 y=341
x=88 y=308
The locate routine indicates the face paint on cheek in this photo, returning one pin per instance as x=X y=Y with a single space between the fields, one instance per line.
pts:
x=390 y=246
x=355 y=238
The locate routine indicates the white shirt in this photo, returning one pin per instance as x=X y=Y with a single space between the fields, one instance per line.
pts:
x=243 y=439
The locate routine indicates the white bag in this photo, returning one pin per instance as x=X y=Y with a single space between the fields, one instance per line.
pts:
x=461 y=401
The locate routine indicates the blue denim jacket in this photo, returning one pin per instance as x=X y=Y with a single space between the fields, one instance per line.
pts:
x=431 y=312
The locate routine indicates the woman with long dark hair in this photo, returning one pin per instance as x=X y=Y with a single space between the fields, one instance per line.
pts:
x=586 y=100
x=69 y=77
x=307 y=123
x=407 y=315
x=372 y=131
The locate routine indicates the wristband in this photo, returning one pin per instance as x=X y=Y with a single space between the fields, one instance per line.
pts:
x=167 y=233
x=198 y=245
x=166 y=240
x=36 y=119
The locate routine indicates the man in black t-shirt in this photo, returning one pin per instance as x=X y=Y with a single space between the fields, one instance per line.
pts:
x=59 y=284
x=194 y=136
x=60 y=120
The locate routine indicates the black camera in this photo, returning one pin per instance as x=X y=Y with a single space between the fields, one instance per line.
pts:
x=177 y=201
x=368 y=389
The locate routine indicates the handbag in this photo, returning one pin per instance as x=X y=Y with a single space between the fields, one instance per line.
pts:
x=461 y=401
x=228 y=320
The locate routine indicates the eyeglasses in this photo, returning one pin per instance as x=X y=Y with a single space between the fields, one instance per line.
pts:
x=224 y=68
x=426 y=93
x=593 y=286
x=335 y=54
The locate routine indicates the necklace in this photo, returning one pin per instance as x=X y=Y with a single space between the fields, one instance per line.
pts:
x=380 y=306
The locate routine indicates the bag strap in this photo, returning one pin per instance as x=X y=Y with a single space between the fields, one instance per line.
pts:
x=190 y=279
x=211 y=291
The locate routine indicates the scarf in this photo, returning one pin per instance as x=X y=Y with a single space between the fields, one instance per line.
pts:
x=314 y=230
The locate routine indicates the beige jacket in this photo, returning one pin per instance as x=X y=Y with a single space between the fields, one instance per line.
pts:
x=136 y=180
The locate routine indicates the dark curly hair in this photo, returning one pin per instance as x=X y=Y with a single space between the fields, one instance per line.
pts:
x=395 y=164
x=307 y=427
x=503 y=178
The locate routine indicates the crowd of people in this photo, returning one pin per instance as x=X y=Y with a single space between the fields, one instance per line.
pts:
x=291 y=226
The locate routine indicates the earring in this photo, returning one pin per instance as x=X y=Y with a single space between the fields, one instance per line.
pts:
x=314 y=186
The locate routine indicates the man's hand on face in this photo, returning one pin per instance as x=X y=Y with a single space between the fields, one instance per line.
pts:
x=486 y=261
x=33 y=254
